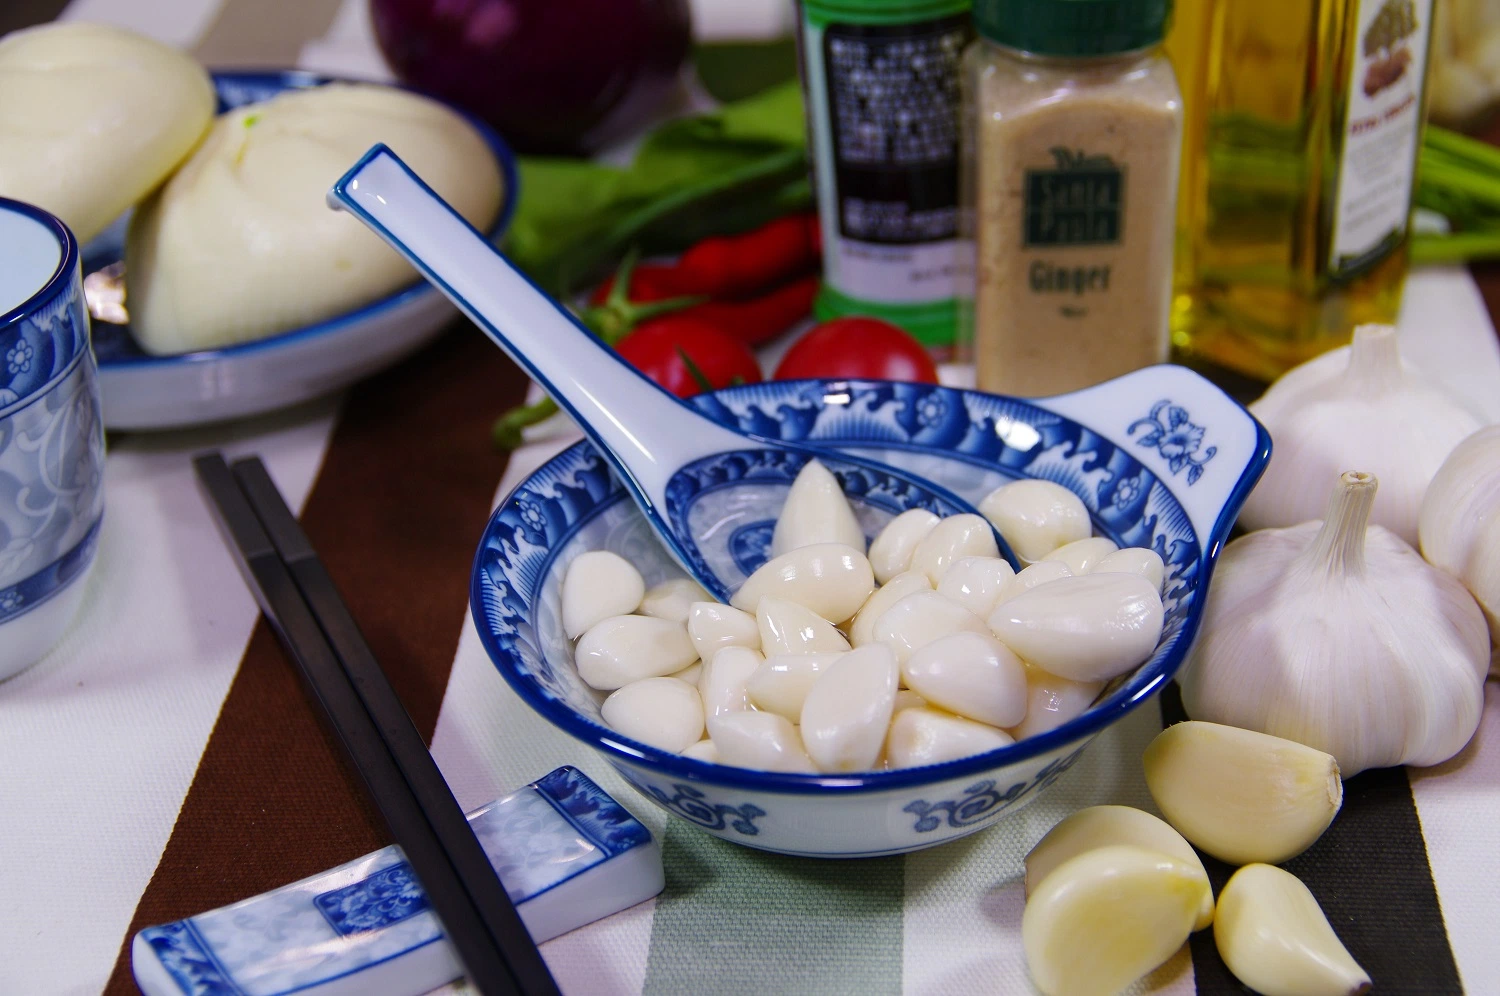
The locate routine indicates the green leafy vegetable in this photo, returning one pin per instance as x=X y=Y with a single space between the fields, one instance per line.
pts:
x=1460 y=179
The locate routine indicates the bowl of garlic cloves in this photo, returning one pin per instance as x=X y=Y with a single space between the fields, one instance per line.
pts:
x=883 y=679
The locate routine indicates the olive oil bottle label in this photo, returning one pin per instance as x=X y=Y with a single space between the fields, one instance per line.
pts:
x=1382 y=118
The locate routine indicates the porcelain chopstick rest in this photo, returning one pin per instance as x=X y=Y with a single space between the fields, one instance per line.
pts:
x=566 y=851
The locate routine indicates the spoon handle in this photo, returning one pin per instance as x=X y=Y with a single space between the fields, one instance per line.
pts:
x=585 y=377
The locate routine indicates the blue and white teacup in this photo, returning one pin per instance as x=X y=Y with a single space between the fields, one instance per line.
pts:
x=51 y=435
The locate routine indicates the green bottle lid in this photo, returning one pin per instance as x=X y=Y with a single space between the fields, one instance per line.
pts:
x=881 y=11
x=1073 y=27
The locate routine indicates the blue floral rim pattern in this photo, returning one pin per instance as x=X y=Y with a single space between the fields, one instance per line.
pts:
x=113 y=345
x=1004 y=436
x=41 y=337
x=26 y=595
x=592 y=811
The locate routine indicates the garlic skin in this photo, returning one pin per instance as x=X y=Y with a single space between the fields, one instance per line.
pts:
x=1342 y=638
x=976 y=583
x=1088 y=628
x=788 y=628
x=1274 y=937
x=861 y=630
x=673 y=599
x=890 y=553
x=1036 y=517
x=1357 y=406
x=1239 y=795
x=830 y=578
x=815 y=511
x=1107 y=917
x=599 y=584
x=1101 y=826
x=1460 y=524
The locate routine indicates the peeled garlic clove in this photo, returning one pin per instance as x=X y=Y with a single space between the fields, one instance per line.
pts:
x=921 y=736
x=816 y=511
x=1133 y=560
x=689 y=674
x=722 y=683
x=956 y=536
x=976 y=583
x=1028 y=578
x=1088 y=628
x=887 y=595
x=781 y=683
x=1274 y=937
x=848 y=708
x=673 y=599
x=1051 y=701
x=713 y=625
x=1107 y=917
x=761 y=740
x=920 y=618
x=908 y=699
x=663 y=712
x=890 y=553
x=830 y=578
x=1242 y=796
x=703 y=750
x=972 y=675
x=1036 y=517
x=788 y=628
x=1083 y=555
x=622 y=649
x=599 y=584
x=1102 y=826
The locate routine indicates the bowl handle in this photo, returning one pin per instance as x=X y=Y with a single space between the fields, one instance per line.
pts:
x=1198 y=441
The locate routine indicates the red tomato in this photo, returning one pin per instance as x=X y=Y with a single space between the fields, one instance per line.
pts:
x=857 y=347
x=657 y=348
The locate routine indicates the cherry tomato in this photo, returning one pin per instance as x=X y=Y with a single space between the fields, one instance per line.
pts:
x=857 y=347
x=658 y=347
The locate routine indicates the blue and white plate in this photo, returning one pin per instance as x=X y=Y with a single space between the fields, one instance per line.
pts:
x=142 y=391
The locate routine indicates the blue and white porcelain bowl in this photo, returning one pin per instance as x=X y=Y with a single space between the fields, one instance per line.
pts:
x=1161 y=458
x=51 y=436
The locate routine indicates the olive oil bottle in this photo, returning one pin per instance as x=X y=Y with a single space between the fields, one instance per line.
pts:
x=1301 y=133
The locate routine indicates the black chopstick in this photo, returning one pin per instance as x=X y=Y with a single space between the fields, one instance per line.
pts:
x=307 y=614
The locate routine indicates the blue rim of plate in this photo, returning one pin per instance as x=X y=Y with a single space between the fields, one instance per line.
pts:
x=1140 y=687
x=297 y=79
x=58 y=282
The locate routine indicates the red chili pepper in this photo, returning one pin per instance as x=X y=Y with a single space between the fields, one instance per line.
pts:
x=741 y=265
x=758 y=319
x=648 y=282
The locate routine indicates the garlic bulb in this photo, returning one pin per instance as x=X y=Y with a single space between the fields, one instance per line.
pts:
x=1359 y=406
x=1460 y=524
x=1341 y=638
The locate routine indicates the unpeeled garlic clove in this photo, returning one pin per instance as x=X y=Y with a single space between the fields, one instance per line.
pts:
x=920 y=618
x=1088 y=628
x=1102 y=826
x=887 y=595
x=976 y=583
x=972 y=675
x=673 y=599
x=663 y=712
x=703 y=750
x=1105 y=918
x=815 y=511
x=848 y=708
x=919 y=735
x=830 y=578
x=781 y=683
x=1028 y=578
x=891 y=551
x=1036 y=517
x=1051 y=701
x=713 y=625
x=966 y=535
x=622 y=649
x=722 y=683
x=1082 y=556
x=1239 y=795
x=1274 y=937
x=599 y=584
x=1133 y=560
x=788 y=628
x=761 y=740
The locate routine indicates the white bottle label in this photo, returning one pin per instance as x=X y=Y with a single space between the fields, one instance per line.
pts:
x=1381 y=125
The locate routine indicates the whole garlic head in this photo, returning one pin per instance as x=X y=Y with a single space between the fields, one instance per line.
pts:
x=1359 y=406
x=1460 y=524
x=1340 y=637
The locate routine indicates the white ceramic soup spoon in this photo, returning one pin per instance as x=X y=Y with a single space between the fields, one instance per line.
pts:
x=699 y=484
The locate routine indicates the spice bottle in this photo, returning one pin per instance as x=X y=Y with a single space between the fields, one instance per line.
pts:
x=881 y=79
x=1072 y=124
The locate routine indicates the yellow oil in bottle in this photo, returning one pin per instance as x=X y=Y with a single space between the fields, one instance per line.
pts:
x=1292 y=134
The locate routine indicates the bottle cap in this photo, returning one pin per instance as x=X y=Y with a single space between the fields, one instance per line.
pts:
x=882 y=11
x=1073 y=27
